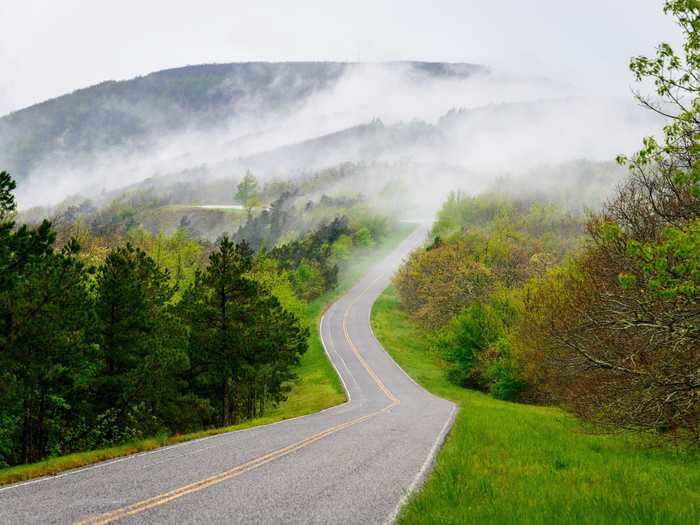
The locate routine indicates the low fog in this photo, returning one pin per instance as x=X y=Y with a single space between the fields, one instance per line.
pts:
x=460 y=129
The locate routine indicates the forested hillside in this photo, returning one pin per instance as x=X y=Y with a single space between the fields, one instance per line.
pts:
x=112 y=333
x=172 y=248
x=282 y=120
x=567 y=336
x=466 y=287
x=595 y=312
x=138 y=113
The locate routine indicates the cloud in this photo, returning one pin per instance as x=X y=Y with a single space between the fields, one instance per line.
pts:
x=48 y=48
x=509 y=123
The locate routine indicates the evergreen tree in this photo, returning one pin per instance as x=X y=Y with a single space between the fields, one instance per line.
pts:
x=242 y=342
x=45 y=310
x=142 y=347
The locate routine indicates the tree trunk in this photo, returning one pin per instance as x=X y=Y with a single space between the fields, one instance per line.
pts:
x=261 y=409
x=41 y=435
x=226 y=409
x=27 y=437
x=252 y=400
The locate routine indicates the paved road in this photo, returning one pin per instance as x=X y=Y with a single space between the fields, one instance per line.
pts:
x=353 y=463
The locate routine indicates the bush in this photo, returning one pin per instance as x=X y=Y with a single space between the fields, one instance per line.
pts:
x=308 y=280
x=363 y=238
x=464 y=338
x=503 y=373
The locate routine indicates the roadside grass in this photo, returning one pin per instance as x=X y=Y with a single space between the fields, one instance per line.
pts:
x=508 y=463
x=317 y=387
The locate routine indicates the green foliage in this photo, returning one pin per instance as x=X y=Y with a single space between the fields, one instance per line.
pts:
x=141 y=343
x=460 y=210
x=613 y=336
x=670 y=268
x=145 y=343
x=503 y=373
x=243 y=343
x=247 y=190
x=369 y=227
x=7 y=198
x=270 y=226
x=464 y=337
x=45 y=354
x=513 y=463
x=436 y=284
x=341 y=248
x=266 y=273
x=316 y=388
x=312 y=260
x=177 y=253
x=363 y=238
x=476 y=347
x=308 y=279
x=465 y=287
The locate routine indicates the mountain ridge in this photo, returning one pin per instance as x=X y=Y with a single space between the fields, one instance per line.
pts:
x=436 y=67
x=138 y=112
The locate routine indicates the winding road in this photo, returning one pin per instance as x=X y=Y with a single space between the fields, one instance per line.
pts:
x=352 y=463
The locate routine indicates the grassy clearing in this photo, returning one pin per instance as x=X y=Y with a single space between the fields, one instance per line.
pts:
x=317 y=387
x=199 y=208
x=509 y=463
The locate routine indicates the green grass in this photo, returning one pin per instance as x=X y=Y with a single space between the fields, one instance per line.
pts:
x=318 y=386
x=168 y=217
x=197 y=208
x=509 y=463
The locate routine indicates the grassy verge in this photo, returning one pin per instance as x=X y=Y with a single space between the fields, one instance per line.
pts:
x=508 y=463
x=317 y=387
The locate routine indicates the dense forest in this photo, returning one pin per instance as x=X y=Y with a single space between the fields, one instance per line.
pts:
x=133 y=115
x=597 y=312
x=110 y=332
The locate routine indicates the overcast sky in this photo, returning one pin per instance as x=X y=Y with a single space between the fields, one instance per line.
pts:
x=50 y=47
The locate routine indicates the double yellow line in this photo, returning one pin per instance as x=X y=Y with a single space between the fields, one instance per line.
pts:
x=167 y=497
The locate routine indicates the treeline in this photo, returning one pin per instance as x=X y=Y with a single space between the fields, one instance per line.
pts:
x=92 y=356
x=615 y=333
x=292 y=213
x=610 y=331
x=599 y=314
x=142 y=334
x=465 y=288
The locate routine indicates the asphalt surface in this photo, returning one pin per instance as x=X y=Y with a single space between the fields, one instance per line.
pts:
x=353 y=463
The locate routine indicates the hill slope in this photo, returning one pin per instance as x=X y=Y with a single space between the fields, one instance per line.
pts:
x=138 y=112
x=512 y=463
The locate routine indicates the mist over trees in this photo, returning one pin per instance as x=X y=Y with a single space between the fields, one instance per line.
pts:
x=627 y=323
x=596 y=312
x=110 y=332
x=140 y=110
x=285 y=119
x=247 y=191
x=137 y=312
x=97 y=355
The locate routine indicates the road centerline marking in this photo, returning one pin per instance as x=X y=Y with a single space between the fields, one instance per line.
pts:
x=166 y=497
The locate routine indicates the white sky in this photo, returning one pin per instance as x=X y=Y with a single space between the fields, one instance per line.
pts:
x=50 y=47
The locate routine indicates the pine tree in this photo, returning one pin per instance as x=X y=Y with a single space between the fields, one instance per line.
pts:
x=45 y=309
x=242 y=342
x=142 y=347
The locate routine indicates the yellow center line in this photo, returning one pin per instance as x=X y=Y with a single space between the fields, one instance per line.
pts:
x=238 y=470
x=394 y=400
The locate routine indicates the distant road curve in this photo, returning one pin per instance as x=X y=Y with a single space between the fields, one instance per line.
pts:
x=352 y=463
